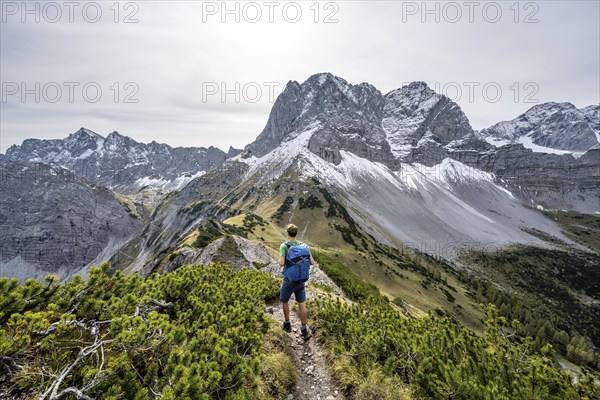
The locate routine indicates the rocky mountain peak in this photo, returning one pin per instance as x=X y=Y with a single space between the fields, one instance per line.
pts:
x=415 y=118
x=82 y=142
x=551 y=127
x=118 y=161
x=412 y=90
x=342 y=115
x=232 y=152
x=114 y=140
x=359 y=119
x=84 y=134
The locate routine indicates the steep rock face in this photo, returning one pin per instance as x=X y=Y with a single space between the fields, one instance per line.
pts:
x=412 y=123
x=343 y=116
x=592 y=116
x=415 y=111
x=557 y=181
x=55 y=222
x=119 y=162
x=558 y=126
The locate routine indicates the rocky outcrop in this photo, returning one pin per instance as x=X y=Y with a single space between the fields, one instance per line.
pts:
x=232 y=250
x=232 y=152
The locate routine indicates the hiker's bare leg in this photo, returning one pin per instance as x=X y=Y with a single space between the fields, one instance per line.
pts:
x=286 y=311
x=302 y=310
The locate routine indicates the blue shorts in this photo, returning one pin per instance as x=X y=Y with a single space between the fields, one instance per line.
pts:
x=287 y=288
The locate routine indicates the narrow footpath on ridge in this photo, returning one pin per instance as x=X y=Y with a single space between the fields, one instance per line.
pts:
x=314 y=381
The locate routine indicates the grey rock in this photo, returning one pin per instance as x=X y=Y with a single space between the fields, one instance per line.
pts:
x=359 y=119
x=429 y=151
x=346 y=117
x=415 y=110
x=236 y=252
x=556 y=181
x=232 y=152
x=56 y=222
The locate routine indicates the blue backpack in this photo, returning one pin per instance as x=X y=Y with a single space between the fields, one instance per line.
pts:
x=297 y=262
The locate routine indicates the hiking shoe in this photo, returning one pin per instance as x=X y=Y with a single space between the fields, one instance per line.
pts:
x=287 y=326
x=305 y=333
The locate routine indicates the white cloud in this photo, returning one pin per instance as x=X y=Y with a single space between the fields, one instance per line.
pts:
x=171 y=55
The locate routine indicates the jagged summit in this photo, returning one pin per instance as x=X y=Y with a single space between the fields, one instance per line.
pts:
x=84 y=133
x=410 y=124
x=415 y=115
x=118 y=161
x=232 y=152
x=360 y=119
x=550 y=127
x=348 y=115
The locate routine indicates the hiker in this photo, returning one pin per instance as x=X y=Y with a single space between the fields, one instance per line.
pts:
x=294 y=282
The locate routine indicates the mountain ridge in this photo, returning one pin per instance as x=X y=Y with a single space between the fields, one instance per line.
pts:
x=411 y=124
x=119 y=162
x=559 y=128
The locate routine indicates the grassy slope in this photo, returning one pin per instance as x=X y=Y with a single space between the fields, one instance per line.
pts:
x=581 y=228
x=419 y=280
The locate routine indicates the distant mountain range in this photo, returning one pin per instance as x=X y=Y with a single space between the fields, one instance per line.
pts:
x=406 y=167
x=121 y=163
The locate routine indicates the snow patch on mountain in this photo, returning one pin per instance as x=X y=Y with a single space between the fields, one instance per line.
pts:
x=528 y=143
x=276 y=161
x=351 y=172
x=174 y=184
x=450 y=172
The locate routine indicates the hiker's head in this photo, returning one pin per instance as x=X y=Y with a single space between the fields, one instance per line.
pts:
x=292 y=230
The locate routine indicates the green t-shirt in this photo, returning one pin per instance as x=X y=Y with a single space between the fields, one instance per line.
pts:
x=283 y=248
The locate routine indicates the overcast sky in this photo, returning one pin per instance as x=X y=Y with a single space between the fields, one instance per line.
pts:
x=191 y=73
